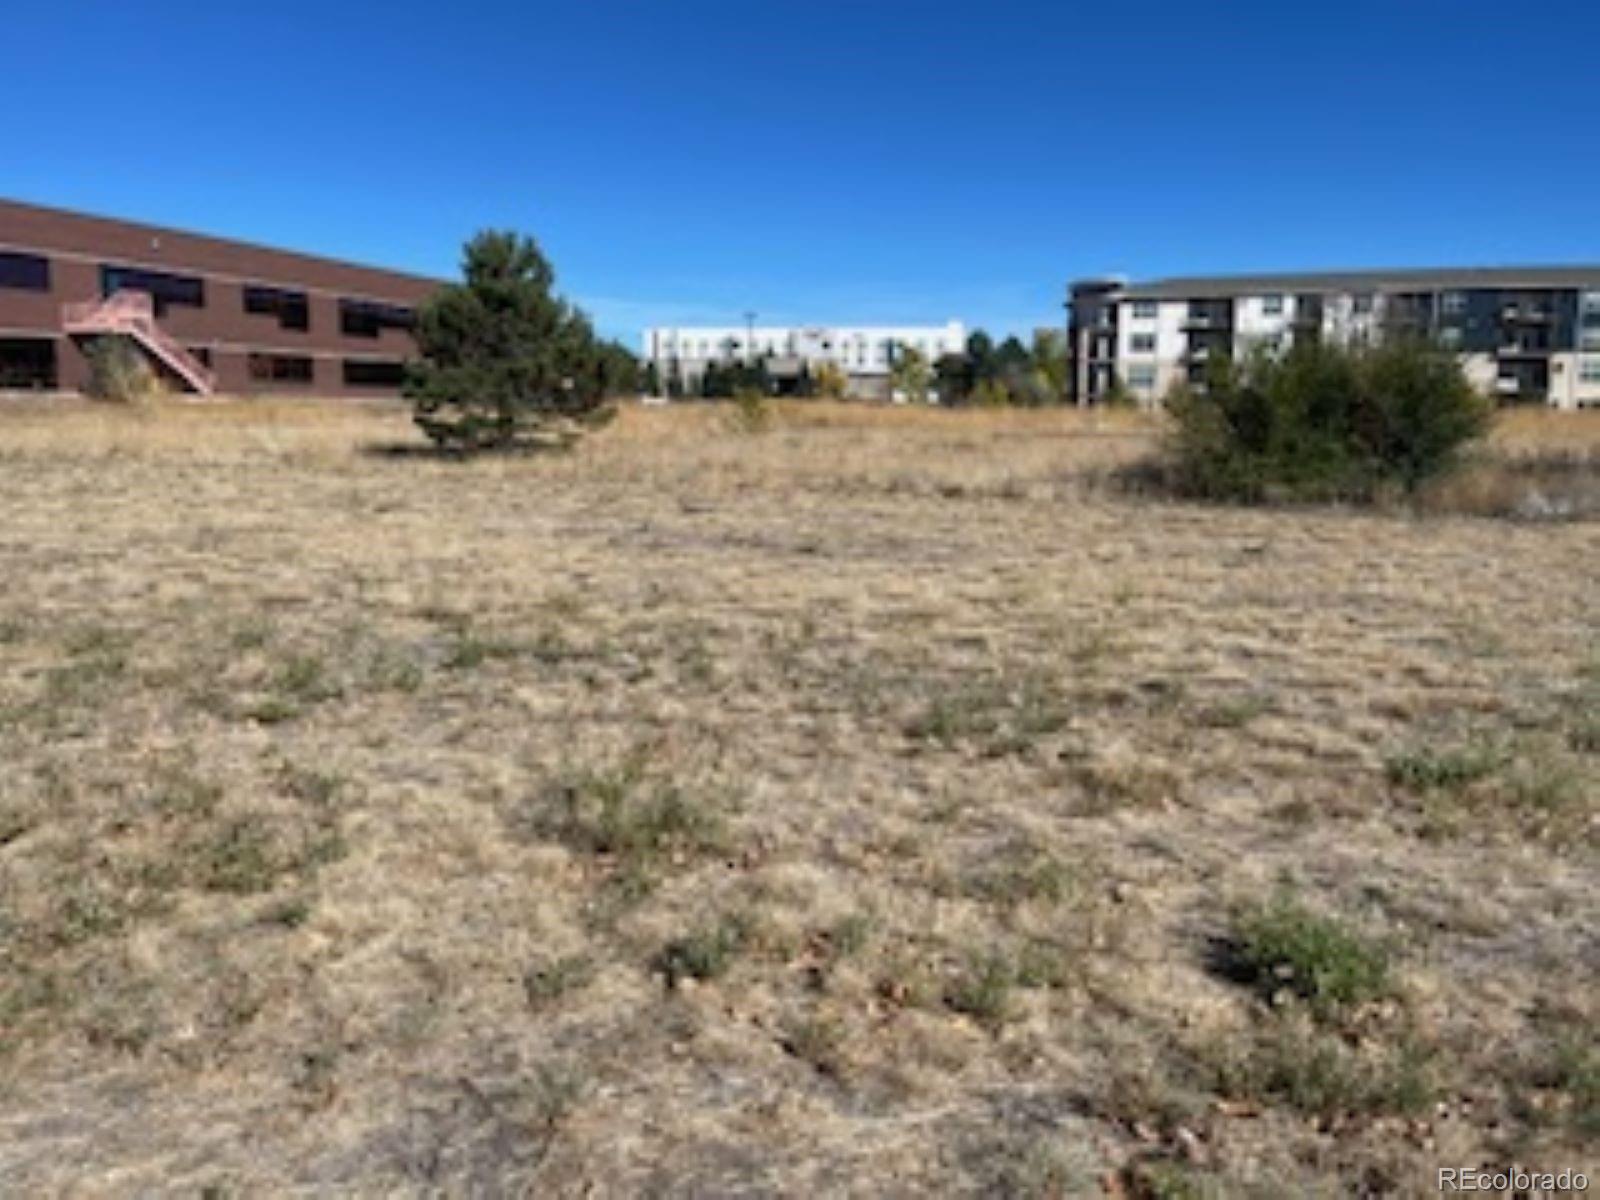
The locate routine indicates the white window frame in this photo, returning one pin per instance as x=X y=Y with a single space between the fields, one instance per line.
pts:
x=1144 y=310
x=1272 y=304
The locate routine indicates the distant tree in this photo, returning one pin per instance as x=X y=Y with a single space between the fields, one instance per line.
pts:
x=1011 y=359
x=980 y=355
x=652 y=379
x=831 y=381
x=991 y=393
x=742 y=376
x=714 y=382
x=503 y=359
x=804 y=385
x=675 y=389
x=619 y=369
x=1050 y=363
x=910 y=375
x=952 y=375
x=761 y=377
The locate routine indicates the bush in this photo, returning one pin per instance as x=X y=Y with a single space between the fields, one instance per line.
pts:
x=1283 y=945
x=119 y=372
x=503 y=360
x=991 y=393
x=752 y=412
x=1324 y=422
x=830 y=382
x=704 y=953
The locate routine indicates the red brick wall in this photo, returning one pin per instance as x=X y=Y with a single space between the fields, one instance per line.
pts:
x=77 y=245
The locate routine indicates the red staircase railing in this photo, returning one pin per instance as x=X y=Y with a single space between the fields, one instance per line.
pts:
x=132 y=314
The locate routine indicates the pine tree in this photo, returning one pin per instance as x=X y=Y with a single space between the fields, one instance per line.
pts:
x=503 y=359
x=714 y=382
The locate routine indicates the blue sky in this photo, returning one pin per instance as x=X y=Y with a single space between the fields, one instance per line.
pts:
x=851 y=162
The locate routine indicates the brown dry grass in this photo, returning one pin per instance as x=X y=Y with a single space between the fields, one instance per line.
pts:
x=874 y=806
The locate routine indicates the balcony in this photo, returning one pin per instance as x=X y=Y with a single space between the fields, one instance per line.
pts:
x=1518 y=349
x=1526 y=314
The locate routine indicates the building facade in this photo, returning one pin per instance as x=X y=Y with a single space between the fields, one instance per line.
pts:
x=209 y=314
x=865 y=353
x=1526 y=335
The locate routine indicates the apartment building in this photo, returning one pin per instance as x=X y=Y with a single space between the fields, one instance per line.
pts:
x=210 y=315
x=864 y=353
x=1525 y=334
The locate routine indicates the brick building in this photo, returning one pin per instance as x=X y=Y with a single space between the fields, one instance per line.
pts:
x=210 y=314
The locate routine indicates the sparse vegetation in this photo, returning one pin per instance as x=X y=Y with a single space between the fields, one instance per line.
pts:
x=623 y=813
x=1426 y=769
x=740 y=811
x=1283 y=946
x=982 y=988
x=999 y=716
x=547 y=982
x=752 y=411
x=1322 y=1075
x=703 y=953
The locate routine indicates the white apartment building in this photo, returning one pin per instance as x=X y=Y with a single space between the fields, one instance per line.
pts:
x=1525 y=334
x=863 y=352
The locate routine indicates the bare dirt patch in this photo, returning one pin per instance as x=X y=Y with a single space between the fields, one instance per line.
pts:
x=875 y=805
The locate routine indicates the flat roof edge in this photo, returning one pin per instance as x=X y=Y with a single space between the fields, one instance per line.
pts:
x=100 y=219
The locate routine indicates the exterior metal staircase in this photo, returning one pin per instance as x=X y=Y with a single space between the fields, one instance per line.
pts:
x=132 y=314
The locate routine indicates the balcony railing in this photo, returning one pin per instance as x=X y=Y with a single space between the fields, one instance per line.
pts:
x=1527 y=314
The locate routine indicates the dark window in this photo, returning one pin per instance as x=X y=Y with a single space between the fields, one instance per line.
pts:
x=27 y=363
x=369 y=373
x=162 y=288
x=368 y=318
x=280 y=368
x=292 y=309
x=25 y=272
x=201 y=354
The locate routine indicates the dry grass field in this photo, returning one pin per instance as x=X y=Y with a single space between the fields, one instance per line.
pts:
x=881 y=804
